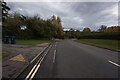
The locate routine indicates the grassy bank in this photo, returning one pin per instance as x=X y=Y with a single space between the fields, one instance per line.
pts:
x=31 y=42
x=111 y=44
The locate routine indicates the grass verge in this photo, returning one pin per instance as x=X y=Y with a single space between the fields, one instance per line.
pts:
x=110 y=44
x=31 y=42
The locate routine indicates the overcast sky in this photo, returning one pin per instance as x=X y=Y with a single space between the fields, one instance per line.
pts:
x=76 y=15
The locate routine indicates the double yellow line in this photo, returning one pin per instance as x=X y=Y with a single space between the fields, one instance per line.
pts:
x=37 y=65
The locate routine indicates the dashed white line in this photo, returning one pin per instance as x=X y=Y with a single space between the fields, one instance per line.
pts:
x=54 y=56
x=113 y=63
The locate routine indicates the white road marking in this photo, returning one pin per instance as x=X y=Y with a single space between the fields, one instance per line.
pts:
x=54 y=56
x=56 y=43
x=114 y=63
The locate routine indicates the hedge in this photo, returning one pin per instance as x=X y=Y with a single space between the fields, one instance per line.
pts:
x=113 y=35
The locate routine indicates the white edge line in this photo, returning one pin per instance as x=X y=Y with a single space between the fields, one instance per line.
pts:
x=114 y=63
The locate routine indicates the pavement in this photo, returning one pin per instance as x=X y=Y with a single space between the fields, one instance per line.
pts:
x=69 y=59
x=19 y=58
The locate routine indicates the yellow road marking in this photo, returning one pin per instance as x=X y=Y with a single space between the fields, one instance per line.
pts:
x=18 y=58
x=32 y=69
x=36 y=69
x=37 y=56
x=39 y=63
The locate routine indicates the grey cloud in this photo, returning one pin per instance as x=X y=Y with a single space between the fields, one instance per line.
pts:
x=73 y=14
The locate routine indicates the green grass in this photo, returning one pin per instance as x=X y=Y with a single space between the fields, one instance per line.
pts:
x=111 y=44
x=31 y=42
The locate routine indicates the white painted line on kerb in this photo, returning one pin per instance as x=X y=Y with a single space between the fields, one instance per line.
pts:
x=54 y=56
x=114 y=63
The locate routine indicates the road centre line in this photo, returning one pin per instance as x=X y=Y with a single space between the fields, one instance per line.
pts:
x=54 y=56
x=55 y=44
x=37 y=65
x=113 y=63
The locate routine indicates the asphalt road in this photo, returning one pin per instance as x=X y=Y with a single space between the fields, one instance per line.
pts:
x=69 y=59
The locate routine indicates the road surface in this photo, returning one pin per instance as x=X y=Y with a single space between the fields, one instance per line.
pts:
x=69 y=59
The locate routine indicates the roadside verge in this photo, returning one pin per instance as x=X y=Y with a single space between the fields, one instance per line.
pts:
x=96 y=45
